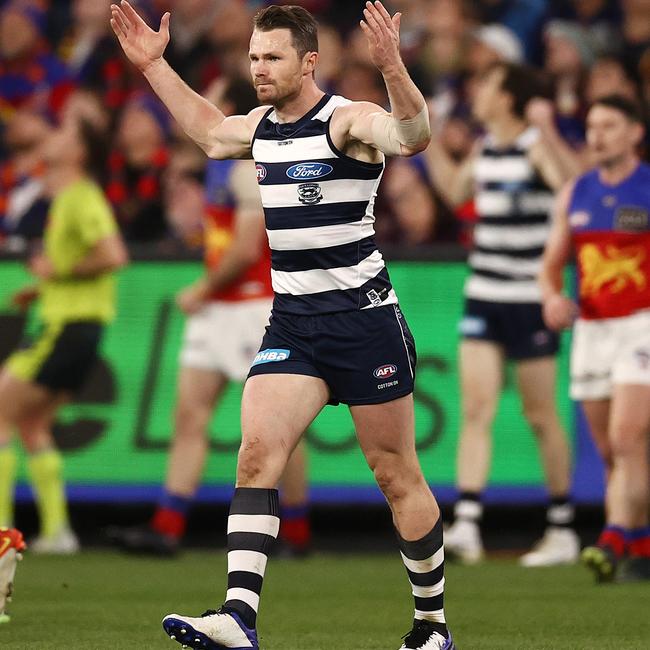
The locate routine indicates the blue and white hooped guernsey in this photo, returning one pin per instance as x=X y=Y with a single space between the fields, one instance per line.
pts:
x=318 y=205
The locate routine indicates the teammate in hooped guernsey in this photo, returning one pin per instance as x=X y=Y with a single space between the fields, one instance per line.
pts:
x=511 y=175
x=335 y=318
x=604 y=218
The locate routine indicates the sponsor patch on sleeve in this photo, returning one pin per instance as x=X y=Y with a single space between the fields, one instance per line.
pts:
x=270 y=355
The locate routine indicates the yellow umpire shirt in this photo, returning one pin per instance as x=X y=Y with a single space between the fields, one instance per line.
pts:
x=80 y=216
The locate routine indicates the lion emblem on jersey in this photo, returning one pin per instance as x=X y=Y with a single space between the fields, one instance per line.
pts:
x=618 y=266
x=309 y=193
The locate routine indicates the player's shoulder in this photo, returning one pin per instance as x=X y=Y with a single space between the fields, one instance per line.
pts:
x=255 y=116
x=84 y=192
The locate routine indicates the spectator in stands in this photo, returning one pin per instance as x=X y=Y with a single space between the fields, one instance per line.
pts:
x=417 y=216
x=23 y=206
x=635 y=29
x=608 y=76
x=229 y=36
x=92 y=55
x=569 y=53
x=87 y=105
x=184 y=195
x=135 y=168
x=330 y=47
x=522 y=17
x=190 y=51
x=362 y=82
x=600 y=19
x=490 y=44
x=30 y=75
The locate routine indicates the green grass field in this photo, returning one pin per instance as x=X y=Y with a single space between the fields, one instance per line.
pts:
x=101 y=600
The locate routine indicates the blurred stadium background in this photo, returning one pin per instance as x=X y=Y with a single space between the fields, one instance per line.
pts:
x=59 y=57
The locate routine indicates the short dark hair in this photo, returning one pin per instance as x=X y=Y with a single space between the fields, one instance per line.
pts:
x=522 y=83
x=622 y=104
x=301 y=24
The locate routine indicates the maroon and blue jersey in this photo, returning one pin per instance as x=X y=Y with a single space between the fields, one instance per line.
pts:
x=610 y=226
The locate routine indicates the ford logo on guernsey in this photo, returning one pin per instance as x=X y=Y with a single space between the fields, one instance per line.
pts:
x=383 y=372
x=309 y=170
x=270 y=355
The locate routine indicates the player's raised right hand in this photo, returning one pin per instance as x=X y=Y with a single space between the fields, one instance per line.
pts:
x=141 y=44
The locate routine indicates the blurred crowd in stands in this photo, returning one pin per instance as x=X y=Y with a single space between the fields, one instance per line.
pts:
x=60 y=61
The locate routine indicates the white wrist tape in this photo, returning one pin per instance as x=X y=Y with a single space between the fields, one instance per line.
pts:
x=389 y=134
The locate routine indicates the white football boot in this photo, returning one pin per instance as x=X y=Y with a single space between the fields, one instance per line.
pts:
x=557 y=546
x=65 y=542
x=215 y=630
x=462 y=542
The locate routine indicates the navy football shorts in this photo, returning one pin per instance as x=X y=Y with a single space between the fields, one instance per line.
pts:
x=518 y=327
x=365 y=357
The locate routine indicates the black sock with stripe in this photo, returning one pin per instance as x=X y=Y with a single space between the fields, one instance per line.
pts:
x=424 y=560
x=253 y=525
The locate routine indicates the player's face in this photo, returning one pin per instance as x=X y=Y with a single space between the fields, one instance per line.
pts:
x=276 y=69
x=489 y=98
x=611 y=136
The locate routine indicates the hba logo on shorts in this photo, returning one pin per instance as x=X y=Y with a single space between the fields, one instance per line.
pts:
x=260 y=170
x=383 y=372
x=309 y=170
x=267 y=356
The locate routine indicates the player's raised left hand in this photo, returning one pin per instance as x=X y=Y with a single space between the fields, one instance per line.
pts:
x=382 y=32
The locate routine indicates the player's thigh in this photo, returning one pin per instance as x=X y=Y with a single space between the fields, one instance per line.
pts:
x=386 y=430
x=277 y=408
x=20 y=398
x=481 y=365
x=597 y=412
x=629 y=424
x=198 y=391
x=35 y=428
x=536 y=380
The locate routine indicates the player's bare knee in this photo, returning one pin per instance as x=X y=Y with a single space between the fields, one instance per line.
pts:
x=255 y=461
x=539 y=419
x=477 y=414
x=393 y=478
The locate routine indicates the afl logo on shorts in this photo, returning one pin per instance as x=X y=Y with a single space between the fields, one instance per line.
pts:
x=309 y=193
x=383 y=372
x=260 y=170
x=309 y=170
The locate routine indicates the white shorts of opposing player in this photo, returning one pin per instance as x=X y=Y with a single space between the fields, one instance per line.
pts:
x=225 y=336
x=609 y=351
